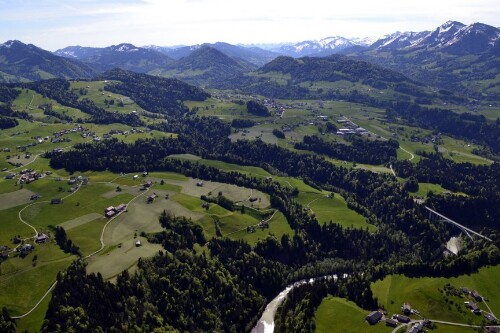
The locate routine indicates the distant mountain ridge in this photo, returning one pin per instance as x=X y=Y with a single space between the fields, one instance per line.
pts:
x=454 y=56
x=254 y=55
x=27 y=62
x=125 y=56
x=453 y=37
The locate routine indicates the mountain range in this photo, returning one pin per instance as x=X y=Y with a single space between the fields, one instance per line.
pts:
x=453 y=56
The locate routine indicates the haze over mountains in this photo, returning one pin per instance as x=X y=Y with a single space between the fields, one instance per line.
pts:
x=452 y=54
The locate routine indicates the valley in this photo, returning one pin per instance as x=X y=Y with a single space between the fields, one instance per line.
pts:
x=181 y=190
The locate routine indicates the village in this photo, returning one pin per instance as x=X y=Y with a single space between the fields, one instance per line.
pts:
x=422 y=324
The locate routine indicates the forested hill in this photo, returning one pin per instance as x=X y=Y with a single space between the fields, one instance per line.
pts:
x=335 y=68
x=205 y=66
x=155 y=94
x=333 y=77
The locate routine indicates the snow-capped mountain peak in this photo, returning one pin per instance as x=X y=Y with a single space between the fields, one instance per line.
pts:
x=125 y=48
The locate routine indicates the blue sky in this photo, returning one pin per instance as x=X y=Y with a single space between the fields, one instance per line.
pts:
x=53 y=24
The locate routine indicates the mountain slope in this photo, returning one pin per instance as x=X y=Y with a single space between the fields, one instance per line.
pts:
x=125 y=56
x=205 y=66
x=27 y=62
x=455 y=57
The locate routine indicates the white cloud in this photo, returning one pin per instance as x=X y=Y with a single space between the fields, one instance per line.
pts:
x=54 y=24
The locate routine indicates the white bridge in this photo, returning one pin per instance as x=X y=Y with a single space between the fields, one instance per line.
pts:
x=468 y=231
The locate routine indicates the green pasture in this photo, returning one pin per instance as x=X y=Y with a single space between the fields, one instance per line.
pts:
x=278 y=226
x=80 y=203
x=338 y=315
x=423 y=294
x=10 y=226
x=121 y=256
x=86 y=236
x=16 y=198
x=29 y=101
x=424 y=188
x=332 y=209
x=33 y=321
x=247 y=170
x=95 y=92
x=23 y=283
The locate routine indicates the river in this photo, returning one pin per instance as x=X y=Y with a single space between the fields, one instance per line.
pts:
x=266 y=321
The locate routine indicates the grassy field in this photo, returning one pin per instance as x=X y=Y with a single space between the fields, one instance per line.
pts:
x=86 y=236
x=278 y=226
x=332 y=209
x=23 y=283
x=338 y=315
x=424 y=188
x=10 y=226
x=33 y=322
x=424 y=295
x=80 y=203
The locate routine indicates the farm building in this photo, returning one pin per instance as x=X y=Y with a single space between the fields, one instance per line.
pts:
x=110 y=214
x=416 y=329
x=120 y=208
x=25 y=249
x=406 y=308
x=138 y=243
x=476 y=295
x=491 y=318
x=402 y=319
x=391 y=323
x=4 y=252
x=41 y=238
x=152 y=198
x=374 y=317
x=473 y=307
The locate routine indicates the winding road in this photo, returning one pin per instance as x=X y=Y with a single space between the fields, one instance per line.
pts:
x=86 y=257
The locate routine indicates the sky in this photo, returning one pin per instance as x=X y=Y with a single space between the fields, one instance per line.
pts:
x=54 y=24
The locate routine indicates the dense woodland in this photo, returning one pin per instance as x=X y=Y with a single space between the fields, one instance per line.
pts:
x=360 y=150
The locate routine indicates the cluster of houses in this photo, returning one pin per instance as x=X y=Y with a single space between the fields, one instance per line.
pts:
x=474 y=308
x=29 y=176
x=350 y=128
x=112 y=211
x=26 y=176
x=418 y=327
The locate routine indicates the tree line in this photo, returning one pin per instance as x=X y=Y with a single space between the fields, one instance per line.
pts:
x=360 y=150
